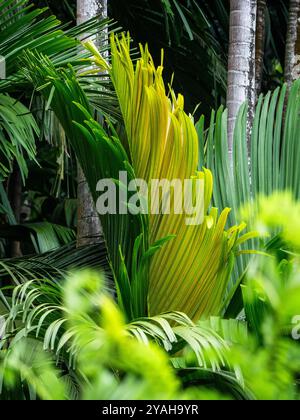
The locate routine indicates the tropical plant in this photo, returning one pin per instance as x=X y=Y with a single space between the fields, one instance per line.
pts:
x=23 y=123
x=166 y=276
x=132 y=241
x=271 y=298
x=127 y=368
x=130 y=253
x=193 y=34
x=267 y=165
x=111 y=364
x=17 y=135
x=195 y=37
x=25 y=28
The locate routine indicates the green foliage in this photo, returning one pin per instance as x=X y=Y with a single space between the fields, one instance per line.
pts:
x=37 y=310
x=30 y=367
x=26 y=28
x=269 y=163
x=18 y=131
x=273 y=149
x=64 y=337
x=271 y=298
x=111 y=362
x=55 y=264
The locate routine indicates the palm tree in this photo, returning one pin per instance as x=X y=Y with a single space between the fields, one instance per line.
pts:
x=88 y=224
x=292 y=53
x=260 y=43
x=241 y=63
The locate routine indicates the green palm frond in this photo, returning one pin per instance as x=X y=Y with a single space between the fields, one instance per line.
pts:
x=27 y=28
x=31 y=29
x=18 y=132
x=108 y=358
x=226 y=382
x=194 y=35
x=274 y=150
x=48 y=236
x=233 y=331
x=174 y=330
x=44 y=236
x=5 y=206
x=272 y=163
x=55 y=264
x=38 y=309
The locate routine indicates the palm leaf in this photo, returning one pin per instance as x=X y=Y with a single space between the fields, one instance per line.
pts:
x=37 y=309
x=24 y=27
x=191 y=272
x=204 y=253
x=44 y=236
x=55 y=264
x=5 y=206
x=274 y=163
x=50 y=236
x=18 y=131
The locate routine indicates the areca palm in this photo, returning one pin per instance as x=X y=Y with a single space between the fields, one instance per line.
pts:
x=139 y=237
x=173 y=155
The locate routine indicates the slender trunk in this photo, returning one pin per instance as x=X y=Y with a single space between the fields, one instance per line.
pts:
x=241 y=64
x=87 y=9
x=292 y=52
x=260 y=44
x=88 y=224
x=15 y=199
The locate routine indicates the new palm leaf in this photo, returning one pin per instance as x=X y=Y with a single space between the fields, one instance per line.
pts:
x=191 y=272
x=102 y=155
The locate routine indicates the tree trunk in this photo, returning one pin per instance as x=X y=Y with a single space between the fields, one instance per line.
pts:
x=15 y=198
x=260 y=44
x=241 y=64
x=292 y=52
x=88 y=224
x=87 y=9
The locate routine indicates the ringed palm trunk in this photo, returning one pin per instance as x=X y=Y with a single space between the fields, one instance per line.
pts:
x=15 y=198
x=241 y=64
x=292 y=53
x=260 y=43
x=88 y=225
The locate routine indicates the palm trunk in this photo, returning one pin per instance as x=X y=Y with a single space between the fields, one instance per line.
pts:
x=88 y=224
x=15 y=199
x=292 y=52
x=87 y=9
x=260 y=43
x=241 y=64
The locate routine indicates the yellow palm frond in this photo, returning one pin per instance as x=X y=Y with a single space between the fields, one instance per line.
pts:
x=191 y=272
